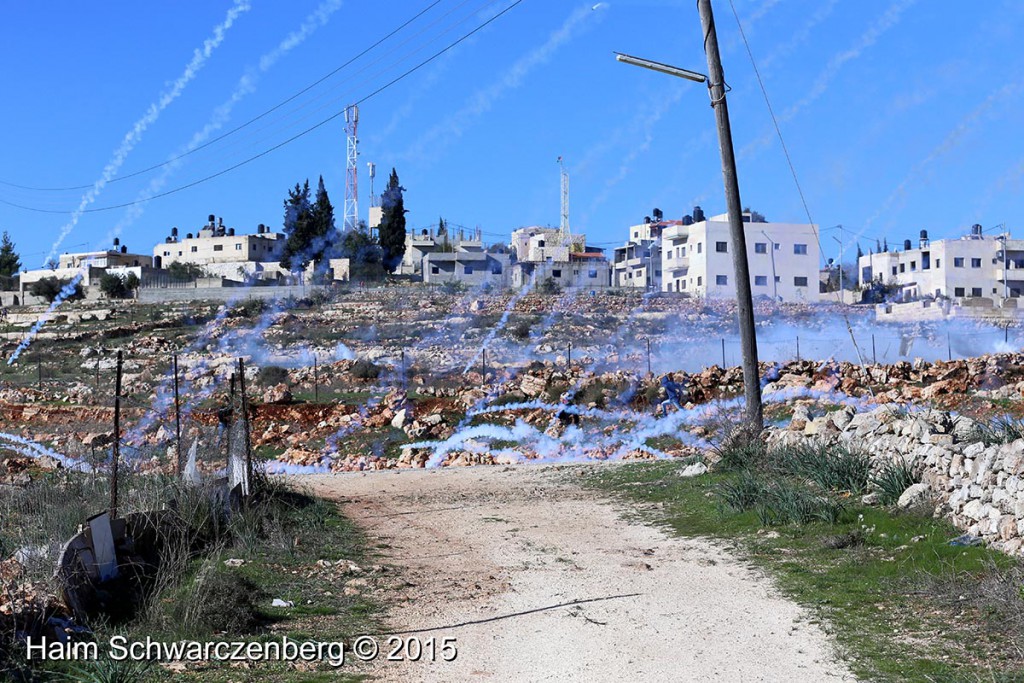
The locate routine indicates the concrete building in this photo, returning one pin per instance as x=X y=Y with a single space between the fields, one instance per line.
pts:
x=223 y=253
x=975 y=265
x=784 y=258
x=542 y=253
x=638 y=262
x=473 y=268
x=90 y=266
x=418 y=245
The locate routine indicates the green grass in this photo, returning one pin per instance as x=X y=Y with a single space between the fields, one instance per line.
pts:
x=877 y=595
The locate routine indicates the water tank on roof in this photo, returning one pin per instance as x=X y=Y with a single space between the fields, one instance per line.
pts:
x=188 y=236
x=174 y=231
x=658 y=215
x=117 y=241
x=210 y=219
x=698 y=214
x=976 y=230
x=647 y=220
x=124 y=249
x=906 y=245
x=231 y=232
x=687 y=220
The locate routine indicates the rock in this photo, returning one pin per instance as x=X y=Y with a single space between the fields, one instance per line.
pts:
x=278 y=602
x=916 y=495
x=693 y=470
x=532 y=386
x=98 y=440
x=398 y=421
x=870 y=499
x=234 y=562
x=278 y=394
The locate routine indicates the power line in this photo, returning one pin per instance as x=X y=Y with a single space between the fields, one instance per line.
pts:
x=301 y=134
x=250 y=121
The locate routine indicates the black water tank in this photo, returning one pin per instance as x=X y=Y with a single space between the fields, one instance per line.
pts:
x=698 y=214
x=687 y=220
x=174 y=231
x=231 y=232
x=658 y=215
x=976 y=229
x=117 y=241
x=647 y=219
x=211 y=219
x=124 y=250
x=906 y=245
x=924 y=234
x=188 y=236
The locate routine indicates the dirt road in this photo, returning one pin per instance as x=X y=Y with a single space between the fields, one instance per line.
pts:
x=541 y=580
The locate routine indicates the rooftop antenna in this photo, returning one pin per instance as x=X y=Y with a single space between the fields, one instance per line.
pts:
x=373 y=197
x=564 y=225
x=351 y=168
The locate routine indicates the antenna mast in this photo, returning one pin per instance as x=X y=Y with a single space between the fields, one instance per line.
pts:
x=564 y=226
x=351 y=169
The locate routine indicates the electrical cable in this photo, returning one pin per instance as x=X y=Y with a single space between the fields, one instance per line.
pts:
x=243 y=125
x=293 y=138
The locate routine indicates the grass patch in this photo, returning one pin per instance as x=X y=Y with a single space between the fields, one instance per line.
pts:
x=880 y=581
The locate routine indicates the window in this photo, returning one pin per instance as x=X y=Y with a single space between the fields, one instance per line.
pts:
x=468 y=270
x=435 y=270
x=975 y=263
x=760 y=248
x=975 y=291
x=778 y=278
x=700 y=280
x=958 y=291
x=721 y=280
x=700 y=247
x=938 y=263
x=167 y=253
x=179 y=253
x=592 y=272
x=195 y=249
x=903 y=267
x=540 y=243
x=894 y=270
x=657 y=273
x=913 y=266
x=799 y=282
x=218 y=247
x=684 y=284
x=238 y=247
x=775 y=246
x=722 y=247
x=760 y=280
x=958 y=262
x=557 y=272
x=800 y=249
x=684 y=256
x=496 y=270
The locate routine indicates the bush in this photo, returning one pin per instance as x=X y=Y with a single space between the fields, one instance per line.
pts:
x=892 y=480
x=744 y=492
x=549 y=286
x=833 y=467
x=785 y=502
x=221 y=601
x=248 y=309
x=1001 y=430
x=272 y=375
x=741 y=456
x=116 y=287
x=184 y=272
x=521 y=330
x=453 y=287
x=49 y=288
x=365 y=369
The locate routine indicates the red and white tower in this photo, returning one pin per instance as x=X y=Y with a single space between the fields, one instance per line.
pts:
x=351 y=168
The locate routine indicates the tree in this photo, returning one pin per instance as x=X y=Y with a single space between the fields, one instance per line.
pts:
x=311 y=234
x=10 y=264
x=392 y=225
x=363 y=253
x=50 y=288
x=885 y=245
x=298 y=218
x=117 y=287
x=183 y=271
x=860 y=252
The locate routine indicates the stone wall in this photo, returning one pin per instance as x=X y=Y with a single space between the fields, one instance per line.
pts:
x=979 y=488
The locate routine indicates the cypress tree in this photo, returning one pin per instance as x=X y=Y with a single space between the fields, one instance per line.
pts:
x=392 y=226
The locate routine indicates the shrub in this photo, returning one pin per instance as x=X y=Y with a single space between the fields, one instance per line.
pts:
x=183 y=272
x=785 y=502
x=521 y=330
x=272 y=375
x=893 y=479
x=222 y=601
x=453 y=287
x=50 y=287
x=831 y=467
x=365 y=369
x=548 y=286
x=744 y=492
x=1001 y=430
x=116 y=287
x=248 y=309
x=740 y=456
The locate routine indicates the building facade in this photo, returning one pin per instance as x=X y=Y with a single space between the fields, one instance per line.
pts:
x=419 y=245
x=215 y=244
x=784 y=258
x=469 y=267
x=973 y=266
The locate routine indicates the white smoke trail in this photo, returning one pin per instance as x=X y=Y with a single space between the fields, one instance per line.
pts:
x=32 y=449
x=65 y=292
x=199 y=58
x=482 y=101
x=888 y=20
x=245 y=86
x=500 y=325
x=952 y=140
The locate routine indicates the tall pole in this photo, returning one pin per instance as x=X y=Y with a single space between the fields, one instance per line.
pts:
x=316 y=380
x=177 y=418
x=744 y=297
x=117 y=439
x=247 y=436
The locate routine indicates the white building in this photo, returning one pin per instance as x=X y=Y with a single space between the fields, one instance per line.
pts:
x=418 y=245
x=90 y=266
x=221 y=252
x=638 y=262
x=975 y=265
x=469 y=267
x=541 y=253
x=784 y=258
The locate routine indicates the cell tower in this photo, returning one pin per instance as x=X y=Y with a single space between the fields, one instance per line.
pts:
x=351 y=168
x=564 y=226
x=373 y=174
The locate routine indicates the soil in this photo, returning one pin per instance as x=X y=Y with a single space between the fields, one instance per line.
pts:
x=539 y=579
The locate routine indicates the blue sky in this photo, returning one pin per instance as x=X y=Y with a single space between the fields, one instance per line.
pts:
x=899 y=116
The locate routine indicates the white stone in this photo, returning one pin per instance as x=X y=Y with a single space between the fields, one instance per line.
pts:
x=694 y=470
x=915 y=495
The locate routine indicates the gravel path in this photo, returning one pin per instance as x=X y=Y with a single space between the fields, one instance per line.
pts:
x=541 y=580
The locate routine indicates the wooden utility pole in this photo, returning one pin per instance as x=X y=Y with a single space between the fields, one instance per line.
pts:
x=177 y=420
x=744 y=298
x=117 y=440
x=244 y=402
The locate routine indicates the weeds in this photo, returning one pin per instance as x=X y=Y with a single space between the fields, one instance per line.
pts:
x=112 y=671
x=832 y=468
x=1001 y=430
x=893 y=479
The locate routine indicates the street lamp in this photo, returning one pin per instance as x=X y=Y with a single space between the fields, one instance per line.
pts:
x=717 y=87
x=775 y=279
